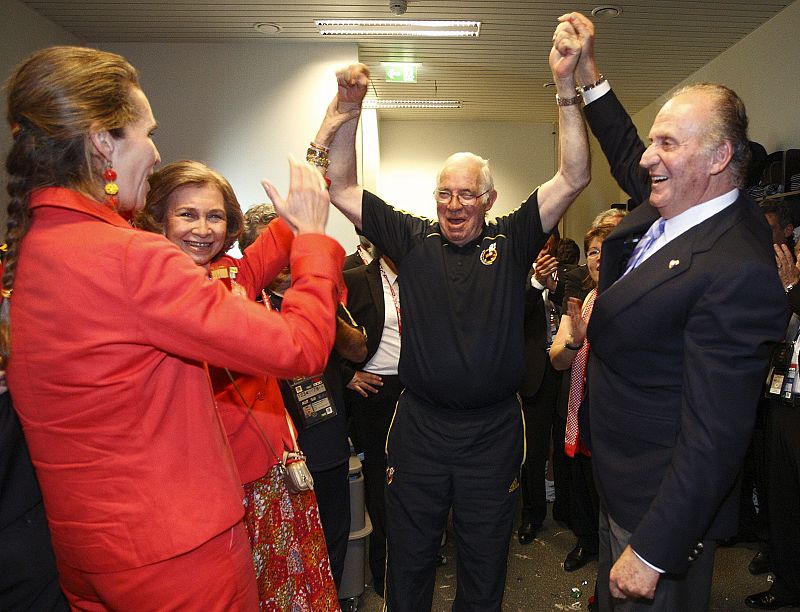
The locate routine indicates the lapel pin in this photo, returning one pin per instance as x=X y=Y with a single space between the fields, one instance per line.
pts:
x=673 y=263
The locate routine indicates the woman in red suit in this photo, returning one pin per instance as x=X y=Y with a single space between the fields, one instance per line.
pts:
x=196 y=208
x=109 y=331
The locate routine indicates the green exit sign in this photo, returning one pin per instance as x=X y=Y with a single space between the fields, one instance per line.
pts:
x=398 y=72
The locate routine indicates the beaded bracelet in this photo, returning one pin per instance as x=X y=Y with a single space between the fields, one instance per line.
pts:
x=585 y=88
x=317 y=158
x=568 y=101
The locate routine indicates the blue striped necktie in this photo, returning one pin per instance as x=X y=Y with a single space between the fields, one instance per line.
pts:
x=654 y=233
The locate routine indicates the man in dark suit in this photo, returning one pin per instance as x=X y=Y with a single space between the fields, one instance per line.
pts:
x=539 y=390
x=688 y=309
x=374 y=301
x=361 y=256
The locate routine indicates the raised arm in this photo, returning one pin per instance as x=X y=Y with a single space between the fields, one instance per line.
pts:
x=338 y=132
x=305 y=208
x=574 y=171
x=586 y=72
x=608 y=120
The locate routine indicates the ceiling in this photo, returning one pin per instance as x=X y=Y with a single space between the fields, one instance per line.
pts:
x=501 y=75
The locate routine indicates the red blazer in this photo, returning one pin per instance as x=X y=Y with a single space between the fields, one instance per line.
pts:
x=262 y=261
x=110 y=327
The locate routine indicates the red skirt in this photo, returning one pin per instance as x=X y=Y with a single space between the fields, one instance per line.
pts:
x=289 y=550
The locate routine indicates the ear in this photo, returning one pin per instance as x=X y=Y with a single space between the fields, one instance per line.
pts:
x=103 y=143
x=490 y=201
x=721 y=157
x=788 y=230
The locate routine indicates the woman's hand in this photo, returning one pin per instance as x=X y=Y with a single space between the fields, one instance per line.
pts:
x=579 y=326
x=306 y=206
x=352 y=82
x=352 y=85
x=787 y=269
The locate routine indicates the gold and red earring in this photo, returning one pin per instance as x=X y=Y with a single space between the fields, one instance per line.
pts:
x=111 y=188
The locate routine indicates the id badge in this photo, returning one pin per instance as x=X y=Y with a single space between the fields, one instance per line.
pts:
x=779 y=371
x=311 y=400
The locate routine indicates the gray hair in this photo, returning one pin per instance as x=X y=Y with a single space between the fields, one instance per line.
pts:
x=255 y=218
x=487 y=181
x=605 y=216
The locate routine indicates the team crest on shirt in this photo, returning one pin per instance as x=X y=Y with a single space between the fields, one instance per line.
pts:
x=489 y=254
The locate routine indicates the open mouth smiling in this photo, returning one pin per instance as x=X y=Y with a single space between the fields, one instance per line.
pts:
x=197 y=245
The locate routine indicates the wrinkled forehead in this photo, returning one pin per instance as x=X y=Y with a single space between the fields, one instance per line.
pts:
x=461 y=174
x=686 y=114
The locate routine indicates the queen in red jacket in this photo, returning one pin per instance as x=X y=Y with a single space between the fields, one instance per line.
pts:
x=110 y=328
x=196 y=208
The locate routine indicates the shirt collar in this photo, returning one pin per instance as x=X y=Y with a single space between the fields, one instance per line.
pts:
x=698 y=213
x=61 y=197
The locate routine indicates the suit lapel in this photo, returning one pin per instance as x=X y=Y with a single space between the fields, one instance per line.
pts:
x=669 y=262
x=618 y=246
x=375 y=283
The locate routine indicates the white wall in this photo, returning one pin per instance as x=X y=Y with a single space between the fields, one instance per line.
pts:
x=233 y=106
x=241 y=108
x=763 y=69
x=522 y=156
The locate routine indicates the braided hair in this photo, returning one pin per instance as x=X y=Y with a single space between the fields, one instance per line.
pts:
x=55 y=97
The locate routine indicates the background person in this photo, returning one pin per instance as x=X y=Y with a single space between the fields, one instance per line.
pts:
x=539 y=389
x=196 y=209
x=324 y=441
x=570 y=352
x=373 y=297
x=141 y=494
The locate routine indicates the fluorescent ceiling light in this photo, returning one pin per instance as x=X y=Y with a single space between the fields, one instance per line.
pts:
x=398 y=27
x=383 y=103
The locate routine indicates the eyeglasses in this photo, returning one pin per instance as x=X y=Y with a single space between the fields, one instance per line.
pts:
x=465 y=198
x=593 y=253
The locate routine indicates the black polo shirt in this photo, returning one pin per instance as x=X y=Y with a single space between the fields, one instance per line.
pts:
x=462 y=307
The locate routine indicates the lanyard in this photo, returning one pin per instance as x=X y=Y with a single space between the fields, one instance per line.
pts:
x=362 y=253
x=395 y=299
x=265 y=299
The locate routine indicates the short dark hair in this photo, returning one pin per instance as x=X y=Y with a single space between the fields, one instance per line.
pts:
x=568 y=251
x=598 y=231
x=180 y=174
x=781 y=212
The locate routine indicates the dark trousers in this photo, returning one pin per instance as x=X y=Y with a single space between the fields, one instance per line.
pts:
x=539 y=412
x=753 y=522
x=689 y=592
x=28 y=577
x=438 y=459
x=332 y=489
x=584 y=503
x=784 y=500
x=371 y=417
x=561 y=470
